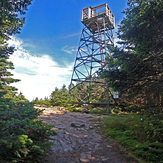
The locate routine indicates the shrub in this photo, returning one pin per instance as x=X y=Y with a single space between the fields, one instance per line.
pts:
x=23 y=137
x=74 y=109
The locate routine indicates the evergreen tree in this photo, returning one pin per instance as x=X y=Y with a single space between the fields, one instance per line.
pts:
x=136 y=67
x=59 y=96
x=10 y=23
x=22 y=136
x=35 y=101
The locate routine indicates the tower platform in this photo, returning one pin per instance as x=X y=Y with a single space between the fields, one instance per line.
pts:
x=97 y=13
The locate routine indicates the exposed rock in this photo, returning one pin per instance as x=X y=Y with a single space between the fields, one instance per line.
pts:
x=62 y=132
x=85 y=157
x=90 y=127
x=72 y=143
x=97 y=146
x=109 y=146
x=77 y=124
x=104 y=158
x=81 y=129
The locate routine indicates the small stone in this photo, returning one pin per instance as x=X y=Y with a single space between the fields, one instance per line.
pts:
x=104 y=158
x=61 y=128
x=61 y=131
x=108 y=146
x=85 y=157
x=97 y=146
x=77 y=124
x=90 y=127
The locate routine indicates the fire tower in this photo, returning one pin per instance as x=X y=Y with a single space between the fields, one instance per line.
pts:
x=93 y=48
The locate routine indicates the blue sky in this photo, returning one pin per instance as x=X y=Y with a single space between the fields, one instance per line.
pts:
x=47 y=45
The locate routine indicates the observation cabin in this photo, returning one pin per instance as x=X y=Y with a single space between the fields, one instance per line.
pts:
x=101 y=13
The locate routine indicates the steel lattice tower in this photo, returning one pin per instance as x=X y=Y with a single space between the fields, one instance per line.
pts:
x=95 y=39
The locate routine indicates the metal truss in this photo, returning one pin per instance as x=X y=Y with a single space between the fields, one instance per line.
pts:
x=90 y=58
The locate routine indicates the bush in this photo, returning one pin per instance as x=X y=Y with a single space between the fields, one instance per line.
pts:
x=23 y=137
x=74 y=109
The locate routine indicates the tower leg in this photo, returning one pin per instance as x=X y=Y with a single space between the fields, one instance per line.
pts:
x=86 y=85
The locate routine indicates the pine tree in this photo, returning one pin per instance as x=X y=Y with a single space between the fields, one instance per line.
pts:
x=20 y=128
x=10 y=23
x=59 y=96
x=136 y=67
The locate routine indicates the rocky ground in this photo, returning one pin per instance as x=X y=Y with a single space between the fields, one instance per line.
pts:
x=79 y=139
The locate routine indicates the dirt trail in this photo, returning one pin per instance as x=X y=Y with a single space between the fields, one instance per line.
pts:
x=78 y=140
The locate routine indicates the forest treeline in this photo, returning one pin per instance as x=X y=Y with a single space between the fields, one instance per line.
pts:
x=61 y=97
x=58 y=97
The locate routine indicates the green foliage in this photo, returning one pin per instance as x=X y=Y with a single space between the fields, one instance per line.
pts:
x=134 y=132
x=92 y=92
x=22 y=136
x=40 y=101
x=99 y=111
x=10 y=23
x=74 y=109
x=135 y=69
x=57 y=98
x=153 y=124
x=136 y=73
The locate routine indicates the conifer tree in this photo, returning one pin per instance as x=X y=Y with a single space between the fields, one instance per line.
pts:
x=10 y=23
x=22 y=136
x=136 y=66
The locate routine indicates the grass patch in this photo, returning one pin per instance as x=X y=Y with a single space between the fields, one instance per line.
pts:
x=131 y=132
x=101 y=111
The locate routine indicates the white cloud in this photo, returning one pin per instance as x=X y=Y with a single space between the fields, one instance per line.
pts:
x=72 y=35
x=69 y=49
x=39 y=74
